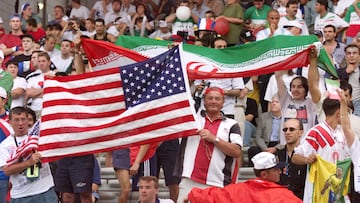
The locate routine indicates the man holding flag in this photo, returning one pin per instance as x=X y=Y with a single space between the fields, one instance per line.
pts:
x=31 y=180
x=210 y=158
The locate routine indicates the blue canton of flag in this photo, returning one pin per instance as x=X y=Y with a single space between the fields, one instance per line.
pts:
x=153 y=79
x=35 y=130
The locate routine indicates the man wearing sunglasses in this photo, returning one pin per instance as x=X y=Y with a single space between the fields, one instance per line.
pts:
x=292 y=176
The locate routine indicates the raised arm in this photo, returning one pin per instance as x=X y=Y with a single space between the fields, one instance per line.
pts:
x=345 y=121
x=313 y=77
x=280 y=83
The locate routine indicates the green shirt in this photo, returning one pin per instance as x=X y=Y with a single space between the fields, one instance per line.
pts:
x=6 y=82
x=233 y=11
x=257 y=16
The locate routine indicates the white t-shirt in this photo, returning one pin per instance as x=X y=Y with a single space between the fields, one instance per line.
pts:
x=111 y=16
x=341 y=6
x=60 y=63
x=329 y=19
x=87 y=33
x=99 y=11
x=36 y=82
x=264 y=34
x=19 y=82
x=82 y=12
x=54 y=52
x=21 y=185
x=128 y=10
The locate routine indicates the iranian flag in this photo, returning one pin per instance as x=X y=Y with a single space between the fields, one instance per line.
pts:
x=256 y=58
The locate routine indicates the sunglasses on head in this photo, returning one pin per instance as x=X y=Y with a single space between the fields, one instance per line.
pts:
x=291 y=129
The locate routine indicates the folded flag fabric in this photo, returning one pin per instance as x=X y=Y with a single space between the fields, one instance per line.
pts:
x=107 y=55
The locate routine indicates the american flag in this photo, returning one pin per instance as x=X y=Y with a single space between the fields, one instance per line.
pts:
x=27 y=146
x=116 y=108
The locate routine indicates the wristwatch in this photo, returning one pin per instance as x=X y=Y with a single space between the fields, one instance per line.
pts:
x=217 y=140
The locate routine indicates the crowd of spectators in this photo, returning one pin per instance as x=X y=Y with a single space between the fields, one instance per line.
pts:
x=269 y=108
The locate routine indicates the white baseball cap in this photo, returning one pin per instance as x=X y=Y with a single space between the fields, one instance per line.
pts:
x=293 y=23
x=266 y=160
x=3 y=93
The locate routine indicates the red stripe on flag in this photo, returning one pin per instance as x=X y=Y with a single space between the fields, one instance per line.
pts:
x=133 y=117
x=84 y=89
x=88 y=75
x=93 y=102
x=317 y=137
x=78 y=115
x=119 y=135
x=326 y=135
x=298 y=60
x=96 y=49
x=89 y=151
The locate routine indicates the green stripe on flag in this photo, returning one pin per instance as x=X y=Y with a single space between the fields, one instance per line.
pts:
x=239 y=57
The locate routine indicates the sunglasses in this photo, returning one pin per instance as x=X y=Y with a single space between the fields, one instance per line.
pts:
x=291 y=129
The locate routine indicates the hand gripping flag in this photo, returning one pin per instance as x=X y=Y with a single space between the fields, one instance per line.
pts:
x=27 y=146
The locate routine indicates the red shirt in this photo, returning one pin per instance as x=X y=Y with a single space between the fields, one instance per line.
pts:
x=38 y=35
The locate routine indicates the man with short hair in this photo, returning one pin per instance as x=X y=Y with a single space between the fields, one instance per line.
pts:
x=79 y=11
x=325 y=17
x=26 y=186
x=32 y=29
x=210 y=158
x=115 y=13
x=292 y=176
x=273 y=18
x=64 y=61
x=256 y=15
x=351 y=73
x=267 y=136
x=232 y=86
x=26 y=14
x=34 y=89
x=59 y=15
x=200 y=8
x=332 y=46
x=263 y=189
x=292 y=8
x=100 y=30
x=310 y=13
x=49 y=46
x=23 y=59
x=11 y=42
x=332 y=150
x=149 y=189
